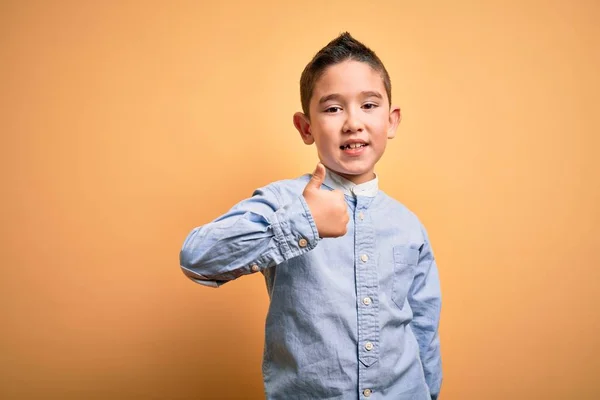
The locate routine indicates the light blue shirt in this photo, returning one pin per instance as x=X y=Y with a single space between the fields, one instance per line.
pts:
x=354 y=317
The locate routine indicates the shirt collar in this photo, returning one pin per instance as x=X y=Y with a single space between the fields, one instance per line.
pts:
x=335 y=181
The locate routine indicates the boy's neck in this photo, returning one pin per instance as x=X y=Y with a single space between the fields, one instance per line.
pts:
x=336 y=181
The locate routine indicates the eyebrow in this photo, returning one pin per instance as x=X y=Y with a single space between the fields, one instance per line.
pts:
x=337 y=96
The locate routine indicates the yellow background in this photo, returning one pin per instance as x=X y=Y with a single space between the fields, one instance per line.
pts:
x=126 y=124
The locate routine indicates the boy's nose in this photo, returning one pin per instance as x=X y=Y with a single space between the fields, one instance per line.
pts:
x=352 y=124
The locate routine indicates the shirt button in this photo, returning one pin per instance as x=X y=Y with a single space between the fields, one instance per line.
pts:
x=361 y=215
x=367 y=392
x=254 y=268
x=369 y=346
x=367 y=301
x=302 y=243
x=364 y=258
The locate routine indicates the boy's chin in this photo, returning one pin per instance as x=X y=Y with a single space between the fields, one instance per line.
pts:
x=357 y=171
x=357 y=176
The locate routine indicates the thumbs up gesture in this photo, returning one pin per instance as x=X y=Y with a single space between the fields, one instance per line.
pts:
x=328 y=208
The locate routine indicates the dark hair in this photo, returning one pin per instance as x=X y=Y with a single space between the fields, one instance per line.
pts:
x=340 y=49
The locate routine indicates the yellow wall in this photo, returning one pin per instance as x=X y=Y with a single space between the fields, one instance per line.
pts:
x=124 y=126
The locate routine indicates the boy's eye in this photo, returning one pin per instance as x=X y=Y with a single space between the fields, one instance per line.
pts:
x=369 y=106
x=333 y=109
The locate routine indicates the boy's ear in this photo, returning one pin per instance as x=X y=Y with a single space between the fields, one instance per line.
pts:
x=395 y=118
x=302 y=123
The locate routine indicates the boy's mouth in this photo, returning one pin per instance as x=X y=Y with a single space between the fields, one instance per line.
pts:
x=353 y=146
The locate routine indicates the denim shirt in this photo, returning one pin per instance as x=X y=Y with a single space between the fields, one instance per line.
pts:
x=353 y=317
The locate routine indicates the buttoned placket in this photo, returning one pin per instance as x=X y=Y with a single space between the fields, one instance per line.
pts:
x=367 y=291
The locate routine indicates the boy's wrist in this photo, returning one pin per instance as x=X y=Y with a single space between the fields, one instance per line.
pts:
x=295 y=229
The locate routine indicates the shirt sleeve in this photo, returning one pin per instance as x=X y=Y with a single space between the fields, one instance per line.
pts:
x=257 y=233
x=425 y=301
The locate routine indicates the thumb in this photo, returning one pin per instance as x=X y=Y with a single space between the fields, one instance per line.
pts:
x=318 y=177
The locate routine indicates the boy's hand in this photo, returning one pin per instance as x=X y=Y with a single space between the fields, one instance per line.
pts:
x=328 y=208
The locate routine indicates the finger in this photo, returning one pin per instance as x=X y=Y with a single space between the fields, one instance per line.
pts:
x=318 y=177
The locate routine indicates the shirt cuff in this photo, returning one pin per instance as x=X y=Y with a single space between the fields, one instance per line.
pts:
x=295 y=229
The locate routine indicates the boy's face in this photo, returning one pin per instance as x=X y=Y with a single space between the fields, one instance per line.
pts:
x=350 y=120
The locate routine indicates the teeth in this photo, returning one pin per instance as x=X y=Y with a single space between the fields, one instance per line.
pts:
x=354 y=146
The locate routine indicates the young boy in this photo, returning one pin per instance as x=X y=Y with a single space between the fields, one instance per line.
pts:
x=353 y=284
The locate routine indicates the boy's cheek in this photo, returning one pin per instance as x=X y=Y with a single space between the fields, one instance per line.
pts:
x=323 y=129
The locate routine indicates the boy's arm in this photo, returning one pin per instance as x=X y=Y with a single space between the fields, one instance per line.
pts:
x=261 y=232
x=425 y=301
x=255 y=234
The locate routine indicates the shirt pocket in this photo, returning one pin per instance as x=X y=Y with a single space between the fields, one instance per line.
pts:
x=405 y=263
